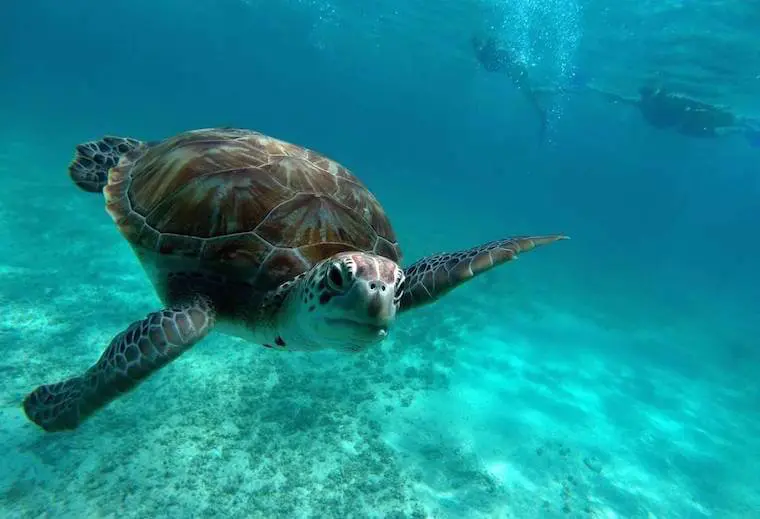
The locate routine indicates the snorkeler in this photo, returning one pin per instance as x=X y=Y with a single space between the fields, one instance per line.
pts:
x=667 y=110
x=498 y=59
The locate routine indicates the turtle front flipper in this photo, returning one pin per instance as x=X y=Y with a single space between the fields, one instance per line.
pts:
x=143 y=348
x=89 y=169
x=433 y=276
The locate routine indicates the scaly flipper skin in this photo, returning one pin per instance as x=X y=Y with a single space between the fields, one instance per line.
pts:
x=143 y=348
x=89 y=169
x=430 y=278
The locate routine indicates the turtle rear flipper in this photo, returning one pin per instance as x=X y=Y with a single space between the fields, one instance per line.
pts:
x=140 y=350
x=89 y=169
x=430 y=278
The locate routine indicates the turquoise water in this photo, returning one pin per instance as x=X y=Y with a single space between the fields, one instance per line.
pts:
x=614 y=375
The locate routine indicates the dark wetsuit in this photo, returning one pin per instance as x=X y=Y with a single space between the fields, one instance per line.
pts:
x=689 y=117
x=498 y=59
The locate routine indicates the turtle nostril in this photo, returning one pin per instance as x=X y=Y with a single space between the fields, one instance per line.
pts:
x=372 y=285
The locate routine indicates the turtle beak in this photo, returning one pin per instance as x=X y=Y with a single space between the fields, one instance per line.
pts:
x=369 y=306
x=378 y=309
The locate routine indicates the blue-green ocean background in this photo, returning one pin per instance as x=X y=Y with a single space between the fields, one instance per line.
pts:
x=614 y=375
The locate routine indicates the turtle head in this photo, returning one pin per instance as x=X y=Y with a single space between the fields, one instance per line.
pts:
x=349 y=301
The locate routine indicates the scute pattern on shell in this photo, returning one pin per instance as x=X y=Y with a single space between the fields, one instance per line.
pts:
x=237 y=199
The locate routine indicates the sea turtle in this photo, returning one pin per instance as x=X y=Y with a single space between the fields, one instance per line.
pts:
x=253 y=236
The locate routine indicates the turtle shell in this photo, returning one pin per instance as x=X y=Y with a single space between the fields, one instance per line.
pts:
x=239 y=201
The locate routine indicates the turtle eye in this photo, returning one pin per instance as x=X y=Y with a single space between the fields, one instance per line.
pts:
x=335 y=277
